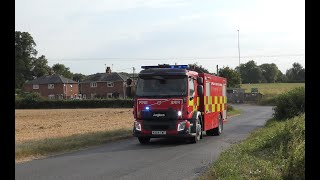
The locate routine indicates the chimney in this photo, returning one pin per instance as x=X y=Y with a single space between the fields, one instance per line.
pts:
x=51 y=72
x=108 y=70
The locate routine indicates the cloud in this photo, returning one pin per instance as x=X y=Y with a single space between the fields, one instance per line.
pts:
x=161 y=28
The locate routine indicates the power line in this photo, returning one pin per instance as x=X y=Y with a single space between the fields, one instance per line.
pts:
x=173 y=58
x=123 y=69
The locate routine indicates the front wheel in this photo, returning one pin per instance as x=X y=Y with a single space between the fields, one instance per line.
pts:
x=197 y=138
x=144 y=140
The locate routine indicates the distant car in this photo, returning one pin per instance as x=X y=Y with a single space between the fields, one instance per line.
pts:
x=254 y=90
x=77 y=98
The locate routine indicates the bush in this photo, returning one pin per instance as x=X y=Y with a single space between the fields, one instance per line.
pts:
x=18 y=91
x=34 y=96
x=290 y=104
x=229 y=108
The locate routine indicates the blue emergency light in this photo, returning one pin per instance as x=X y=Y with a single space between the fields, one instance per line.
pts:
x=166 y=66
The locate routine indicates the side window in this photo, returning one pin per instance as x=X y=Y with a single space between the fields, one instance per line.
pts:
x=208 y=89
x=191 y=86
x=35 y=86
x=50 y=86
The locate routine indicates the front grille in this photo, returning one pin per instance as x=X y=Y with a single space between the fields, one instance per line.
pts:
x=162 y=115
x=158 y=125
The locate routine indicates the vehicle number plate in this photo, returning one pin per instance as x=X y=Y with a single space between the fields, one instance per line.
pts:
x=159 y=132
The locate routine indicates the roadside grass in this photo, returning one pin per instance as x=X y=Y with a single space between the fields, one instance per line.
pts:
x=270 y=91
x=233 y=112
x=276 y=151
x=40 y=148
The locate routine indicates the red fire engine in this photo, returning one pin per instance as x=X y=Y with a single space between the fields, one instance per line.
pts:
x=172 y=101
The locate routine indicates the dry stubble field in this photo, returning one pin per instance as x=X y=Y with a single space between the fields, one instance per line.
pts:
x=48 y=123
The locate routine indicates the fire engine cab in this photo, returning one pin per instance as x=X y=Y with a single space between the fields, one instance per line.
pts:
x=171 y=101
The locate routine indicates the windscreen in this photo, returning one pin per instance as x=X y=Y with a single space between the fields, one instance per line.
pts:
x=163 y=86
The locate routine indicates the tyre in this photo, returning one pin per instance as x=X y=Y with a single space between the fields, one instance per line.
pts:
x=144 y=140
x=218 y=130
x=197 y=138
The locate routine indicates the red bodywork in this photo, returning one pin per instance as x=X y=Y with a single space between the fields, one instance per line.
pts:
x=209 y=106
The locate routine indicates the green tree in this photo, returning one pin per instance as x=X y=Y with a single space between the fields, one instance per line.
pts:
x=78 y=77
x=198 y=68
x=296 y=73
x=25 y=53
x=40 y=67
x=233 y=76
x=250 y=72
x=61 y=69
x=281 y=77
x=269 y=72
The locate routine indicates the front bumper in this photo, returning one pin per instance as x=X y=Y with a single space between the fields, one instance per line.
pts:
x=170 y=134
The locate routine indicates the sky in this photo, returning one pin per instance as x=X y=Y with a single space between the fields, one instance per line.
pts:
x=88 y=35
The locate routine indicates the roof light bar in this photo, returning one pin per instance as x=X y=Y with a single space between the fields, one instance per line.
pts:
x=166 y=66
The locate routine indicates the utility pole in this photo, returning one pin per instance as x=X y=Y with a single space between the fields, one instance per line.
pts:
x=239 y=56
x=217 y=70
x=133 y=69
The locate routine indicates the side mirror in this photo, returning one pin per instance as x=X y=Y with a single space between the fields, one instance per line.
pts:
x=199 y=80
x=200 y=90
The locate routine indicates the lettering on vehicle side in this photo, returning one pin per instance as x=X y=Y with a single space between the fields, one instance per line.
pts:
x=143 y=102
x=216 y=84
x=159 y=115
x=175 y=102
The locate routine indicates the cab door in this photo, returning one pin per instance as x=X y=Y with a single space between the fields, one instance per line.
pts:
x=192 y=96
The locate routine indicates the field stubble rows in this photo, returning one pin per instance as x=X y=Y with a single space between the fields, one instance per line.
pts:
x=31 y=125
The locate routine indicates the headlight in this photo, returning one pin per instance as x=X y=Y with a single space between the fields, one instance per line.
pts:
x=179 y=113
x=137 y=125
x=181 y=126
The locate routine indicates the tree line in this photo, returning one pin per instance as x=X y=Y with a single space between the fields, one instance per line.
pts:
x=250 y=72
x=29 y=66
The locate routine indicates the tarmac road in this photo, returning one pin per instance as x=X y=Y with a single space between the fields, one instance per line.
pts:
x=161 y=159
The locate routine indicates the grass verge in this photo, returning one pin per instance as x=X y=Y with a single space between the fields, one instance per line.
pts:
x=233 y=112
x=276 y=151
x=41 y=148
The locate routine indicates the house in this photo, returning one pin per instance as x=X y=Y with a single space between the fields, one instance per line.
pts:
x=104 y=85
x=53 y=86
